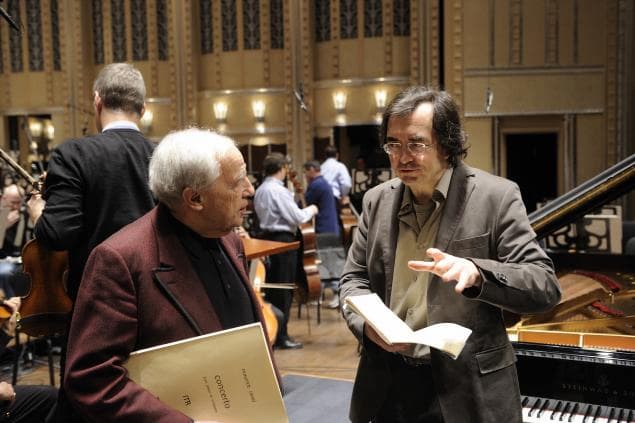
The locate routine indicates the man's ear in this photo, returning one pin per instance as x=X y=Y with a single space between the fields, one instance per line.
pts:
x=97 y=102
x=192 y=198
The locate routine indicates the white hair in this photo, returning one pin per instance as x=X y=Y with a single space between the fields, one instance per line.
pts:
x=187 y=158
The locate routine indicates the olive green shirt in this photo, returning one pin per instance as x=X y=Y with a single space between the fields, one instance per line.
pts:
x=418 y=228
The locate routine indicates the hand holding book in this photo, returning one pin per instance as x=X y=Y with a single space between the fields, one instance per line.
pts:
x=447 y=337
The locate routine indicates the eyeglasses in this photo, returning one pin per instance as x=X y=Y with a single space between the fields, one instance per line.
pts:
x=414 y=148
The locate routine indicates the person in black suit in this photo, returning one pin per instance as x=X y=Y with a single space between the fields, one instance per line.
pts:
x=97 y=184
x=23 y=403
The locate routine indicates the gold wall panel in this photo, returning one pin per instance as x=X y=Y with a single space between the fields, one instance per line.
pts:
x=477 y=44
x=590 y=146
x=533 y=34
x=537 y=93
x=592 y=27
x=479 y=137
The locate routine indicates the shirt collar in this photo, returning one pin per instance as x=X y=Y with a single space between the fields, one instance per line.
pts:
x=121 y=124
x=440 y=192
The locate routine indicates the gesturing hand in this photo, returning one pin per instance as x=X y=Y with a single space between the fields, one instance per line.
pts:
x=449 y=268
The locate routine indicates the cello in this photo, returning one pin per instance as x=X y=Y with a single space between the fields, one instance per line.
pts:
x=46 y=306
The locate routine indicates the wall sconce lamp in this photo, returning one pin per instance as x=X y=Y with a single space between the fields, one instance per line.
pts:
x=48 y=130
x=339 y=102
x=146 y=120
x=258 y=108
x=380 y=100
x=35 y=127
x=220 y=112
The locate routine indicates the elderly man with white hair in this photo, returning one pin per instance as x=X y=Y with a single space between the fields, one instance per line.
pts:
x=177 y=272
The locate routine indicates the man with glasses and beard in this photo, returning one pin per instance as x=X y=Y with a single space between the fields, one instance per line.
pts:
x=443 y=242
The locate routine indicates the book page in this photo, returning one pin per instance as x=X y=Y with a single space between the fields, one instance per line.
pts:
x=387 y=324
x=447 y=337
x=226 y=376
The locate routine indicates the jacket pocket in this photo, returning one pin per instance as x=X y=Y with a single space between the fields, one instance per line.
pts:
x=480 y=242
x=495 y=359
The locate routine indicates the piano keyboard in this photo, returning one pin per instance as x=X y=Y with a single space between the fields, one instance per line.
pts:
x=538 y=410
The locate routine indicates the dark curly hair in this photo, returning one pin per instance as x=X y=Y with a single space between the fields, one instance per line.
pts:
x=446 y=121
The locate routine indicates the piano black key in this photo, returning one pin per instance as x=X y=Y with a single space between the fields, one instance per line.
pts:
x=525 y=401
x=611 y=415
x=544 y=406
x=555 y=410
x=629 y=419
x=535 y=407
x=597 y=414
x=587 y=413
x=573 y=411
x=565 y=411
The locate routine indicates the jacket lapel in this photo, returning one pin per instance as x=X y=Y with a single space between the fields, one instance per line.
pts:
x=390 y=231
x=458 y=195
x=180 y=278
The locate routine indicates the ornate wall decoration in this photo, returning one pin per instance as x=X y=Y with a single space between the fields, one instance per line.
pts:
x=335 y=45
x=435 y=41
x=152 y=82
x=218 y=45
x=207 y=31
x=251 y=24
x=348 y=19
x=229 y=25
x=612 y=54
x=416 y=47
x=576 y=35
x=266 y=43
x=322 y=20
x=34 y=31
x=457 y=51
x=15 y=39
x=139 y=29
x=1 y=54
x=118 y=26
x=401 y=20
x=551 y=32
x=55 y=36
x=98 y=32
x=162 y=30
x=516 y=32
x=372 y=18
x=276 y=14
x=47 y=48
x=388 y=39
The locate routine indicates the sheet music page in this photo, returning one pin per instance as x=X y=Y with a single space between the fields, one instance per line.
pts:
x=226 y=376
x=447 y=337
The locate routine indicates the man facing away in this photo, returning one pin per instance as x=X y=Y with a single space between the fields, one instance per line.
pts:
x=177 y=272
x=327 y=229
x=336 y=174
x=483 y=257
x=279 y=217
x=97 y=184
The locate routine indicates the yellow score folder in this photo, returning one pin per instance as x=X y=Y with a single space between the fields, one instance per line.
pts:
x=226 y=376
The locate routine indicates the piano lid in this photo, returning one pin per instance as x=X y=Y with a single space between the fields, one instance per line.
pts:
x=597 y=310
x=601 y=189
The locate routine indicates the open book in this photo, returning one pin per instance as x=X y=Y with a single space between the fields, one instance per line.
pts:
x=447 y=337
x=226 y=376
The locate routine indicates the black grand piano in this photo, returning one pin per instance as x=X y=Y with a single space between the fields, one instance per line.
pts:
x=577 y=362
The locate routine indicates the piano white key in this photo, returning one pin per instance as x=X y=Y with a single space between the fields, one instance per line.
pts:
x=541 y=410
